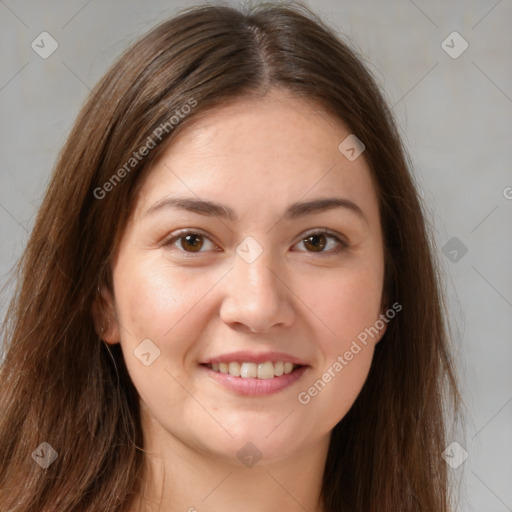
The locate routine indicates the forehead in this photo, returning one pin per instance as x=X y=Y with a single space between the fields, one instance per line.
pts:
x=256 y=151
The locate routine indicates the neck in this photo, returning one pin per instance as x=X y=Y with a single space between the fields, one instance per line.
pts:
x=181 y=477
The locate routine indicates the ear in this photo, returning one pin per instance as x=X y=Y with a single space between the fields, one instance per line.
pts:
x=382 y=316
x=382 y=322
x=104 y=316
x=382 y=330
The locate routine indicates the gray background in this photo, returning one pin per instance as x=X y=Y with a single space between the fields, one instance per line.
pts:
x=455 y=117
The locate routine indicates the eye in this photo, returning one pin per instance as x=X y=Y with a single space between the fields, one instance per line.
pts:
x=317 y=241
x=189 y=241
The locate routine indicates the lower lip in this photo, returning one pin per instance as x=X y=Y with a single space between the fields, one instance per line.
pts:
x=252 y=386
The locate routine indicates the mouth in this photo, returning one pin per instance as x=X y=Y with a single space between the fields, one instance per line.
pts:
x=249 y=378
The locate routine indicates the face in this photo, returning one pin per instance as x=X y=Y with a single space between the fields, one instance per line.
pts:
x=258 y=282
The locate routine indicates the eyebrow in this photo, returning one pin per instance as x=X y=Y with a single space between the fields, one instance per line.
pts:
x=294 y=211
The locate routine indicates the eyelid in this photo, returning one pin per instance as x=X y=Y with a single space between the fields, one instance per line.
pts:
x=324 y=231
x=182 y=233
x=343 y=244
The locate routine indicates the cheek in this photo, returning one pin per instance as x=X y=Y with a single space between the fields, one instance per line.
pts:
x=157 y=303
x=348 y=306
x=152 y=298
x=164 y=304
x=347 y=302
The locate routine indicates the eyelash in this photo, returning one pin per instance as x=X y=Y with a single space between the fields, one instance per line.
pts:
x=342 y=246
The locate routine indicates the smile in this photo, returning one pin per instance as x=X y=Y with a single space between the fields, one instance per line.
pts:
x=253 y=379
x=248 y=370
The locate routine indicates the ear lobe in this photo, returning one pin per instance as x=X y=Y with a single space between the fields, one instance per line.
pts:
x=104 y=317
x=383 y=329
x=381 y=333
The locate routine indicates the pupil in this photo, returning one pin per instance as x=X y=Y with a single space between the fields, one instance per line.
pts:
x=194 y=245
x=317 y=247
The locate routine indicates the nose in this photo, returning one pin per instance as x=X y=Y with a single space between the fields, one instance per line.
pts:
x=257 y=297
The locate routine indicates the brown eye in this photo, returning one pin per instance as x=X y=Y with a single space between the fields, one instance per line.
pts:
x=324 y=243
x=315 y=242
x=192 y=242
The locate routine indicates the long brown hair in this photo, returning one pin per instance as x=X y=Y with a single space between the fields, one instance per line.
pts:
x=61 y=385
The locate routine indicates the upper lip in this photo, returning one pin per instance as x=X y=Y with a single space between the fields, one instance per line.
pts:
x=255 y=357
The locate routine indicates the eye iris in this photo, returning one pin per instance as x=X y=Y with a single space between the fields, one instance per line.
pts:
x=316 y=241
x=194 y=240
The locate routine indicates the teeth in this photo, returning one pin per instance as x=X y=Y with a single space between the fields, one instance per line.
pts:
x=234 y=369
x=266 y=370
x=278 y=368
x=248 y=370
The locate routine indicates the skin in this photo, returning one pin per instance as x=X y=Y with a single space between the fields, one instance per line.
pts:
x=257 y=156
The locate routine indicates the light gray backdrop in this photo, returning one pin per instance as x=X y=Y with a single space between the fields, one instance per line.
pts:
x=454 y=107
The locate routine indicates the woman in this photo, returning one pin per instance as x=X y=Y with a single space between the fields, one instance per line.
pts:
x=229 y=300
